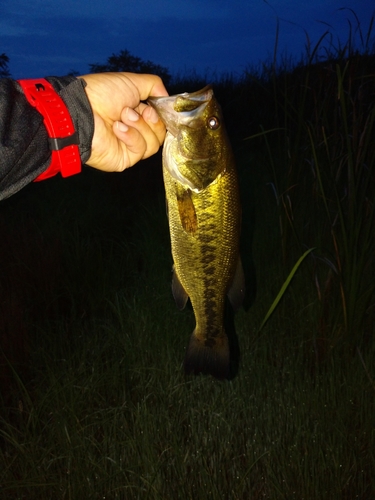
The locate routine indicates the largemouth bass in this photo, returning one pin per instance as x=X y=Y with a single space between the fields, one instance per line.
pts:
x=204 y=214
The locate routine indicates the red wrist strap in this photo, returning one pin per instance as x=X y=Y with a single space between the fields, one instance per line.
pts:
x=63 y=138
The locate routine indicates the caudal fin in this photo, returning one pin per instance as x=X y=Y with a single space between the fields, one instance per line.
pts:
x=208 y=357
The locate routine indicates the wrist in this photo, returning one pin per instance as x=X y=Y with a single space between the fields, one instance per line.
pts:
x=72 y=92
x=63 y=138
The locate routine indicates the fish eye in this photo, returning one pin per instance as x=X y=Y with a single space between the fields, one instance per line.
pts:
x=213 y=122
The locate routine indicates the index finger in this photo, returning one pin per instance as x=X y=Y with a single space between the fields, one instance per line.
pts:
x=147 y=85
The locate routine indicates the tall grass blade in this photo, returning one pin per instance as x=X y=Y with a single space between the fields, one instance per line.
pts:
x=284 y=288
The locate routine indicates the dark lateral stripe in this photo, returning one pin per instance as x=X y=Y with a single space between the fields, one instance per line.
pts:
x=207 y=238
x=211 y=312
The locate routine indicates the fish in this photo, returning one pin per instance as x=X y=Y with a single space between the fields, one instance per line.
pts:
x=204 y=213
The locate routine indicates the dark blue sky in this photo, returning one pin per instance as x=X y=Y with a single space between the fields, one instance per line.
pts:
x=53 y=37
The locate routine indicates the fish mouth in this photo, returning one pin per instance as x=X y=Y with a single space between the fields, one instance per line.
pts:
x=181 y=109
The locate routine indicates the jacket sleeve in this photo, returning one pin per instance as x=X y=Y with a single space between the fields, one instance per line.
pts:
x=24 y=148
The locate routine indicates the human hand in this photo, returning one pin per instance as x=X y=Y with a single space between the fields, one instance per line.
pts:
x=126 y=130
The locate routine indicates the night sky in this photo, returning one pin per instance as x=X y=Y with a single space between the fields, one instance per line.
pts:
x=47 y=37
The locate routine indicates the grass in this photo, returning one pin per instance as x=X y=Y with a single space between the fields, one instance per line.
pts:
x=94 y=402
x=107 y=412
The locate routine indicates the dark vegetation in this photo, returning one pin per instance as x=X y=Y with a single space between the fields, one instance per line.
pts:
x=4 y=70
x=94 y=403
x=125 y=61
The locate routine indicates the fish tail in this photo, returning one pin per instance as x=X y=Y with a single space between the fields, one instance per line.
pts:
x=208 y=356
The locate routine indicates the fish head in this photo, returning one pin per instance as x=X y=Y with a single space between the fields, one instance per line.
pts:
x=196 y=145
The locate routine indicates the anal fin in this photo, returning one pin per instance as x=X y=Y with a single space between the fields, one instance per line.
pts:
x=236 y=292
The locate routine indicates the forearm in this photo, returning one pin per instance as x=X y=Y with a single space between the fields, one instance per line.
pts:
x=24 y=147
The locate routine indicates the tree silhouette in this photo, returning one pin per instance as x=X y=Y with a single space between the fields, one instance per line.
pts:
x=4 y=71
x=125 y=61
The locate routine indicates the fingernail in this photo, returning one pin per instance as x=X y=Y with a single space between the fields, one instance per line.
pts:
x=122 y=127
x=132 y=115
x=153 y=117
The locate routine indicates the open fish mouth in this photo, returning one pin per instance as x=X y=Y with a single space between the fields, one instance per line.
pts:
x=181 y=109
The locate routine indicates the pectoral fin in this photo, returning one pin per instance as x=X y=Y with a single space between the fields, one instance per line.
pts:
x=186 y=210
x=236 y=291
x=179 y=293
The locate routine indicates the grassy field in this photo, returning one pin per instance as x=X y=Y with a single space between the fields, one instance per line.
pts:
x=94 y=402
